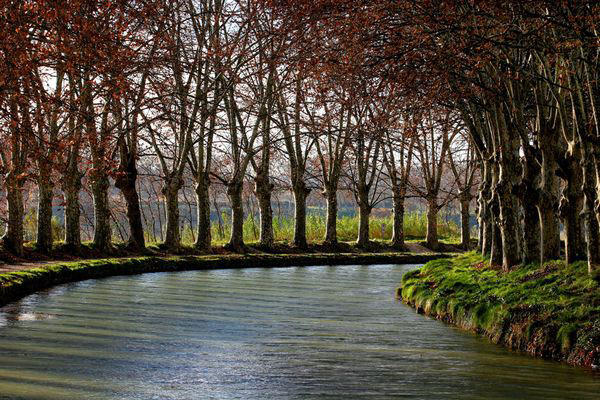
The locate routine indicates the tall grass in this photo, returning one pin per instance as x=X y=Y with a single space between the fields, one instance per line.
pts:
x=415 y=227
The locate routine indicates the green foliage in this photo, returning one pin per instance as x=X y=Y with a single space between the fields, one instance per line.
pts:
x=528 y=300
x=30 y=225
x=188 y=236
x=58 y=229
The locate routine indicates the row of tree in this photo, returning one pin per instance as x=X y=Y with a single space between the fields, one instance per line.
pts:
x=213 y=90
x=365 y=88
x=524 y=77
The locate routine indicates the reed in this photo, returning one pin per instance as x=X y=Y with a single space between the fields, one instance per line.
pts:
x=415 y=227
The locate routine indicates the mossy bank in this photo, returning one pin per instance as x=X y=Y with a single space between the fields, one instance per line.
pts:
x=14 y=285
x=551 y=311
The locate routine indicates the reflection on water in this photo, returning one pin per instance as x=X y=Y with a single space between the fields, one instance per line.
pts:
x=317 y=332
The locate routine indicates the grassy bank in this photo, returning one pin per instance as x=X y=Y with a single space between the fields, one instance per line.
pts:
x=14 y=285
x=551 y=311
x=60 y=252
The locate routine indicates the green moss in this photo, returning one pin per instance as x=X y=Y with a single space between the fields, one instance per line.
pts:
x=551 y=298
x=566 y=336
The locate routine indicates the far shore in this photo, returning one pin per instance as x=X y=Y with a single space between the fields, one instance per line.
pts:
x=20 y=280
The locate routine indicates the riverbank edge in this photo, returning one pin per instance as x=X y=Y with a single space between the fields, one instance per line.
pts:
x=512 y=328
x=18 y=284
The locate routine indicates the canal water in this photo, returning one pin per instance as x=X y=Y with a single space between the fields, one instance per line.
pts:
x=290 y=333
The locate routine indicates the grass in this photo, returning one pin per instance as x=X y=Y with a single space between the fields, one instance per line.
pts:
x=550 y=310
x=381 y=229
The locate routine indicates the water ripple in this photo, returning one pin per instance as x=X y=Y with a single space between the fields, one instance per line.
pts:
x=295 y=333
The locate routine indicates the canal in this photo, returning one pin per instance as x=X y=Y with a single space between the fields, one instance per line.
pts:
x=287 y=333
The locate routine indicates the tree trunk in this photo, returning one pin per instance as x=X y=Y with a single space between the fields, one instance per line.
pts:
x=485 y=233
x=496 y=250
x=496 y=240
x=508 y=179
x=571 y=206
x=203 y=234
x=480 y=231
x=126 y=183
x=465 y=223
x=13 y=238
x=398 y=234
x=263 y=189
x=364 y=213
x=548 y=200
x=570 y=210
x=484 y=216
x=550 y=231
x=590 y=213
x=173 y=233
x=300 y=194
x=331 y=219
x=531 y=232
x=236 y=241
x=432 y=239
x=71 y=185
x=528 y=195
x=508 y=229
x=44 y=212
x=102 y=230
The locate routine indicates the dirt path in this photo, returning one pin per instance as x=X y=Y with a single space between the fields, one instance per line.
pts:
x=4 y=268
x=416 y=248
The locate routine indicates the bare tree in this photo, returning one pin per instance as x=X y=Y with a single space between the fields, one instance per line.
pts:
x=331 y=126
x=397 y=158
x=436 y=131
x=464 y=165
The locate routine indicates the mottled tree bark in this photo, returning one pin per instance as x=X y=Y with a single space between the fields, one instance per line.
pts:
x=300 y=194
x=508 y=229
x=548 y=198
x=364 y=213
x=236 y=241
x=508 y=178
x=398 y=233
x=496 y=253
x=432 y=239
x=485 y=234
x=550 y=231
x=263 y=189
x=592 y=230
x=102 y=229
x=331 y=219
x=71 y=185
x=126 y=183
x=173 y=232
x=571 y=206
x=484 y=216
x=44 y=211
x=13 y=238
x=465 y=223
x=531 y=233
x=203 y=234
x=496 y=250
x=528 y=195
